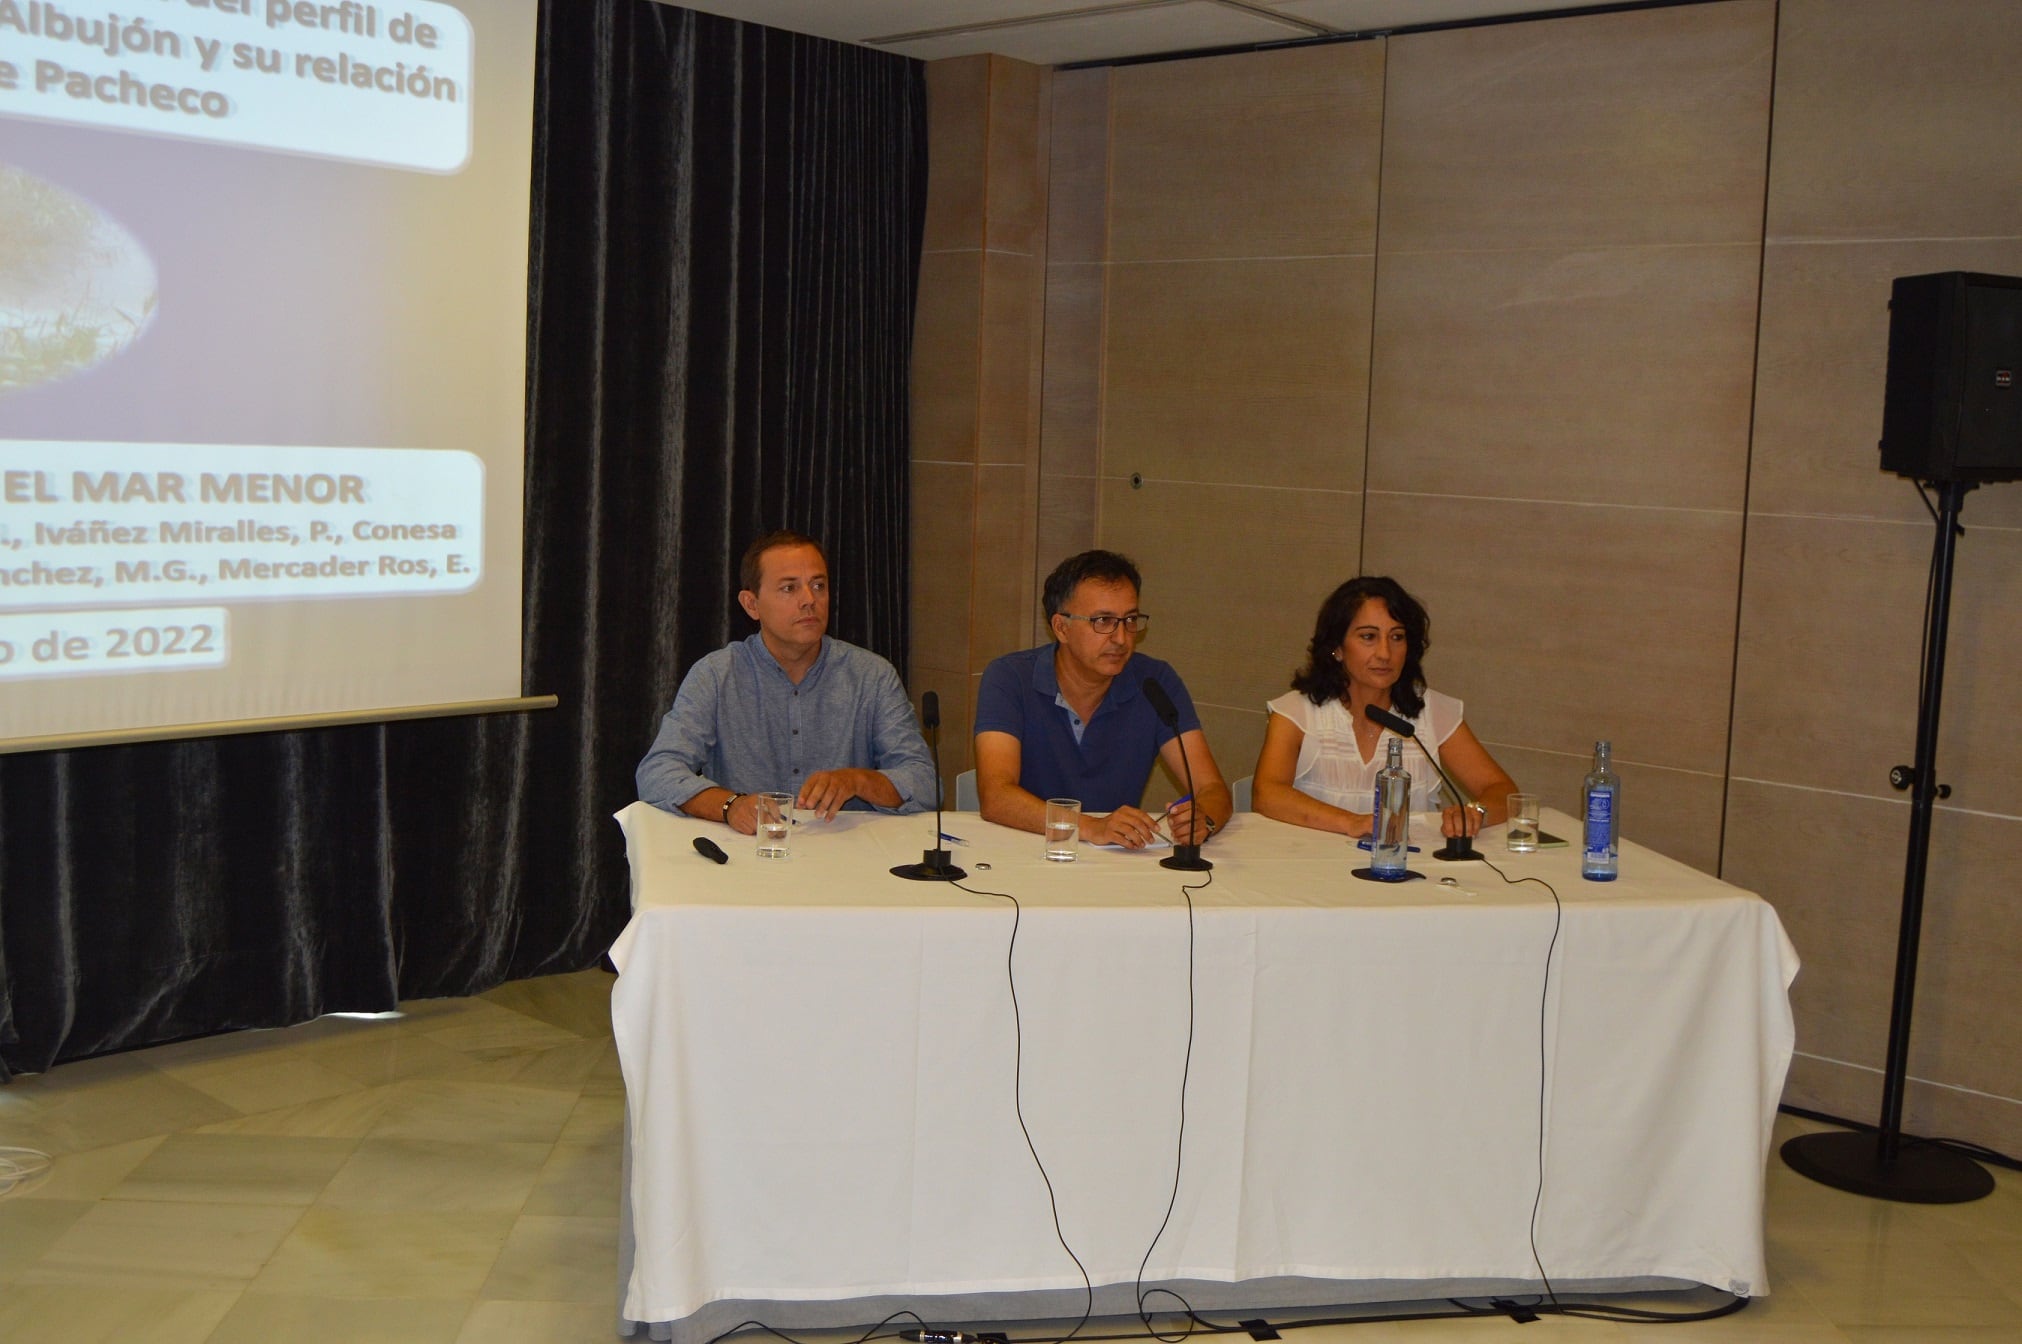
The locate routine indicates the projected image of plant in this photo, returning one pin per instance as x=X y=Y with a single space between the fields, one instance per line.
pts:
x=75 y=287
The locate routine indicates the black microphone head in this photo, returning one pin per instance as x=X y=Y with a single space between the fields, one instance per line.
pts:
x=1396 y=723
x=709 y=849
x=1161 y=703
x=930 y=710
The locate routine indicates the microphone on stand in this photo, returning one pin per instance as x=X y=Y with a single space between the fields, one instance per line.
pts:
x=1458 y=847
x=933 y=865
x=1187 y=857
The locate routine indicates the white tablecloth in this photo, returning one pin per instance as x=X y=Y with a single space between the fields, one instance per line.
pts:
x=818 y=1063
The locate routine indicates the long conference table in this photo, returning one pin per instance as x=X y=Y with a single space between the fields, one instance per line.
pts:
x=823 y=1077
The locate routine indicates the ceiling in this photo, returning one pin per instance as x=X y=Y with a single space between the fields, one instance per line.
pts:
x=1060 y=32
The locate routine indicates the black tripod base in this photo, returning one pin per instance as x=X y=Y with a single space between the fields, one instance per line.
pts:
x=1920 y=1173
x=932 y=867
x=1186 y=859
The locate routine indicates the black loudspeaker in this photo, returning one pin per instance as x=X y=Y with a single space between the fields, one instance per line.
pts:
x=1951 y=410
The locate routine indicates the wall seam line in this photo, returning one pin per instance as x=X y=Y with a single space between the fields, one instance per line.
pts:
x=1375 y=294
x=1748 y=457
x=1927 y=1082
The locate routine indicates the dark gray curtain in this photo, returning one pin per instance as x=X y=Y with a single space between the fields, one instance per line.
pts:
x=724 y=248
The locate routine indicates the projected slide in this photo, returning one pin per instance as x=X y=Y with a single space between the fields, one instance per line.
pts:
x=262 y=358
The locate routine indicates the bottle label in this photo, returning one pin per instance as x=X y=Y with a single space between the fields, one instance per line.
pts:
x=1600 y=832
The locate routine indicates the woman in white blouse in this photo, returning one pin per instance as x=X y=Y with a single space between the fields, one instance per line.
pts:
x=1321 y=751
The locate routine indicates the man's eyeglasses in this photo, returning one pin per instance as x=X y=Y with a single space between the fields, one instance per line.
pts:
x=1106 y=625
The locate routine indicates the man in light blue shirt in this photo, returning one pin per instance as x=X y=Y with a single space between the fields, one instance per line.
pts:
x=788 y=710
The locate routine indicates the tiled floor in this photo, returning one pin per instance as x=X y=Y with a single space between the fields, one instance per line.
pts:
x=453 y=1176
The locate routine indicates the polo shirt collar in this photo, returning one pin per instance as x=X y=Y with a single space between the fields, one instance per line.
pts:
x=1123 y=688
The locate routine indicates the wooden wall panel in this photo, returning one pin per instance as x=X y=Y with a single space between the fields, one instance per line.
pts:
x=958 y=96
x=1559 y=409
x=1587 y=622
x=1013 y=314
x=1071 y=416
x=1070 y=437
x=1077 y=198
x=1267 y=154
x=1895 y=119
x=1644 y=127
x=1006 y=507
x=947 y=356
x=1606 y=376
x=943 y=527
x=1245 y=372
x=1015 y=158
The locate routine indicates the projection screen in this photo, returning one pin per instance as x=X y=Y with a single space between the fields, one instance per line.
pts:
x=263 y=272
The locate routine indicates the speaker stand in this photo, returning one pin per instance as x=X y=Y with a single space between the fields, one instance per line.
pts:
x=1878 y=1165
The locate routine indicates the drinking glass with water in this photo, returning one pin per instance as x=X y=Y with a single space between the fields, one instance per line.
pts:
x=775 y=820
x=1063 y=829
x=1522 y=834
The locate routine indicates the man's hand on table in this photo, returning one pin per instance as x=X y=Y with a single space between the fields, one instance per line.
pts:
x=1131 y=827
x=826 y=791
x=743 y=814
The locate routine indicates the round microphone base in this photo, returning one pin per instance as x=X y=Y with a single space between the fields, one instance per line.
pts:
x=1457 y=849
x=1186 y=859
x=932 y=867
x=920 y=872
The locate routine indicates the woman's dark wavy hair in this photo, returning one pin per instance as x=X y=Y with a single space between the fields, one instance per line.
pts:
x=1323 y=679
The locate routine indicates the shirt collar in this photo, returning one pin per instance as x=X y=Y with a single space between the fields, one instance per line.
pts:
x=1124 y=687
x=1043 y=679
x=765 y=659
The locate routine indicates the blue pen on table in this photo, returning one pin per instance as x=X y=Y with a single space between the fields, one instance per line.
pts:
x=953 y=839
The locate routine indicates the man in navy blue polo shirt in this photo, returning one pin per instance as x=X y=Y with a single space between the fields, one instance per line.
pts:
x=1070 y=719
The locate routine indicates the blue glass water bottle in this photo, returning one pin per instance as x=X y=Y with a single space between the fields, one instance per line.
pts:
x=1601 y=811
x=1390 y=836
